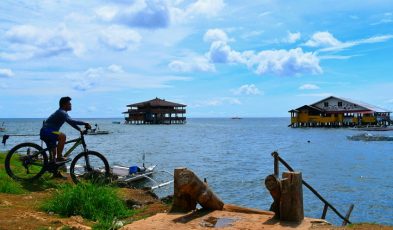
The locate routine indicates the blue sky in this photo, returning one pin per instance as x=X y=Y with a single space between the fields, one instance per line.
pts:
x=221 y=58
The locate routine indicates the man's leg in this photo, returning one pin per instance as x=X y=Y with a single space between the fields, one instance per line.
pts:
x=60 y=145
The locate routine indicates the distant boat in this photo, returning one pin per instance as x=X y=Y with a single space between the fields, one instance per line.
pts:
x=236 y=118
x=116 y=122
x=375 y=128
x=97 y=131
x=369 y=137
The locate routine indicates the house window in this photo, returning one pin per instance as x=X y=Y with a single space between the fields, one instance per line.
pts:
x=340 y=104
x=326 y=104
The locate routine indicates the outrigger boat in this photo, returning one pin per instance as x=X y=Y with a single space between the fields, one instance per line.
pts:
x=135 y=173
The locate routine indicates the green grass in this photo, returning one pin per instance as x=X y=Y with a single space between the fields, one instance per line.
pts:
x=93 y=202
x=8 y=185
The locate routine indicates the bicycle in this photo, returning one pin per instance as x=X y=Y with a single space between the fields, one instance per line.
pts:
x=86 y=166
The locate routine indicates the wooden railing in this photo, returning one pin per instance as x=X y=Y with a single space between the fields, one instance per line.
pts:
x=278 y=159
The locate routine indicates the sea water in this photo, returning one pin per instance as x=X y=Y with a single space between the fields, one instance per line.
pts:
x=234 y=155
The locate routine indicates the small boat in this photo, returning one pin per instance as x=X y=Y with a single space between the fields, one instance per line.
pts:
x=133 y=174
x=116 y=122
x=97 y=131
x=369 y=137
x=236 y=118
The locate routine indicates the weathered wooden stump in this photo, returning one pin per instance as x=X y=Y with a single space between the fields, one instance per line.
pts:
x=190 y=190
x=287 y=196
x=291 y=200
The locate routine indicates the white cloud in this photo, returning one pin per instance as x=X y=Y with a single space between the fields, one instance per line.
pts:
x=150 y=14
x=278 y=62
x=119 y=38
x=292 y=37
x=323 y=39
x=308 y=87
x=206 y=7
x=200 y=64
x=247 y=90
x=285 y=62
x=6 y=73
x=384 y=19
x=213 y=35
x=327 y=42
x=115 y=68
x=221 y=52
x=27 y=41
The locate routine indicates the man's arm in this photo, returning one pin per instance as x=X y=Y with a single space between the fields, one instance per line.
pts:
x=75 y=123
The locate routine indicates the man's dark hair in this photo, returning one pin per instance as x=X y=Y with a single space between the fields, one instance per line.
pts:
x=64 y=100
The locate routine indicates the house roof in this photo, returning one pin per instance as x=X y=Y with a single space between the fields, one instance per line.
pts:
x=310 y=107
x=156 y=102
x=362 y=104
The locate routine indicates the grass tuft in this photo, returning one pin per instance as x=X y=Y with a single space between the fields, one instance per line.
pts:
x=97 y=203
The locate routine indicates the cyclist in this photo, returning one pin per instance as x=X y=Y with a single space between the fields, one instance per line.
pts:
x=50 y=133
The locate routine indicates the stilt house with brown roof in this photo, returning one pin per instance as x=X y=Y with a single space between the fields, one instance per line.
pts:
x=155 y=111
x=337 y=112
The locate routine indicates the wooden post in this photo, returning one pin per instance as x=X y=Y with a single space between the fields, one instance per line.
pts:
x=291 y=200
x=189 y=189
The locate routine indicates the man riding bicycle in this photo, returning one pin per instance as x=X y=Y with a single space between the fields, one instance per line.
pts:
x=50 y=133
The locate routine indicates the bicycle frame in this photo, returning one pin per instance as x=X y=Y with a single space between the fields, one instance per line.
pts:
x=78 y=141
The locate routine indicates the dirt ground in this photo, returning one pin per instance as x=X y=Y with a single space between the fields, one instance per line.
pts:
x=22 y=212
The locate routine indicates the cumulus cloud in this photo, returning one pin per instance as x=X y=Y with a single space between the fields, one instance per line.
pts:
x=278 y=62
x=323 y=39
x=308 y=87
x=120 y=38
x=247 y=90
x=199 y=64
x=285 y=62
x=6 y=73
x=150 y=14
x=29 y=41
x=90 y=78
x=213 y=35
x=327 y=42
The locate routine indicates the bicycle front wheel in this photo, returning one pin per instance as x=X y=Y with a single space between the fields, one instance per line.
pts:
x=26 y=162
x=91 y=167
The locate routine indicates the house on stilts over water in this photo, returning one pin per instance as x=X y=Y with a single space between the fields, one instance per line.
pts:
x=339 y=112
x=155 y=111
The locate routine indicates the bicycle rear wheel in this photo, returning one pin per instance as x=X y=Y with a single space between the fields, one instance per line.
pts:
x=26 y=162
x=91 y=167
